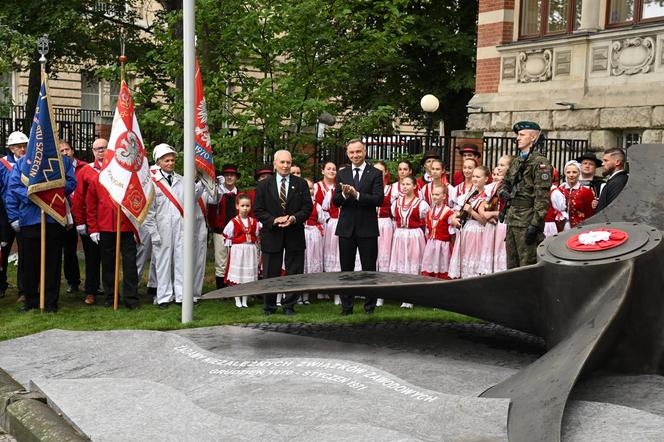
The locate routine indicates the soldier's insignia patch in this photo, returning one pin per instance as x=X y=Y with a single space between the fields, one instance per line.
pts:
x=545 y=176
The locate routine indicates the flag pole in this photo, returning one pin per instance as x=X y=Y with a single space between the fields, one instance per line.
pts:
x=116 y=283
x=189 y=49
x=42 y=253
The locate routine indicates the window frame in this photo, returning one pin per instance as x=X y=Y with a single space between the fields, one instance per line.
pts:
x=638 y=11
x=544 y=20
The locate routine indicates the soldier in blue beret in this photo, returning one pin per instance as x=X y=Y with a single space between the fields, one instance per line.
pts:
x=526 y=186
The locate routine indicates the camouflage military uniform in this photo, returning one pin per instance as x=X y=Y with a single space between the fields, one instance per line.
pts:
x=528 y=208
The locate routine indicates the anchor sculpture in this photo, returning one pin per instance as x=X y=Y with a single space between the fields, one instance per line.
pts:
x=594 y=309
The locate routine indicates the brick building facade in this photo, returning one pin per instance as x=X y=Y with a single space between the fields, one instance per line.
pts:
x=590 y=69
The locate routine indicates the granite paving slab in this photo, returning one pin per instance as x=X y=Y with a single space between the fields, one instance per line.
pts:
x=356 y=383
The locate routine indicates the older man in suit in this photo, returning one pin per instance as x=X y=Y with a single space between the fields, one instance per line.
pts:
x=282 y=205
x=359 y=191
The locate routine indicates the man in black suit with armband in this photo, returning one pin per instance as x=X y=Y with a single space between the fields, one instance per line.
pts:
x=359 y=191
x=282 y=204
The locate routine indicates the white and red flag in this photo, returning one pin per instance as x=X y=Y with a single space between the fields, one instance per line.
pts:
x=125 y=172
x=203 y=148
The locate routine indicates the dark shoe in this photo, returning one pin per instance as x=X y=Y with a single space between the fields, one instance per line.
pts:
x=108 y=303
x=369 y=311
x=164 y=305
x=51 y=309
x=179 y=304
x=268 y=312
x=90 y=299
x=72 y=288
x=346 y=312
x=25 y=308
x=152 y=291
x=131 y=305
x=220 y=282
x=289 y=312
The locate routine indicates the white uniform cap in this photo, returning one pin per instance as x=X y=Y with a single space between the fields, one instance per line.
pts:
x=16 y=138
x=162 y=149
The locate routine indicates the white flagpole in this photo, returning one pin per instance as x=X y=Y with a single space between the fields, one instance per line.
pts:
x=188 y=26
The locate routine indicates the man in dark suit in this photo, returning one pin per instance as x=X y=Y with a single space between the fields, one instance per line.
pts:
x=359 y=191
x=282 y=204
x=613 y=163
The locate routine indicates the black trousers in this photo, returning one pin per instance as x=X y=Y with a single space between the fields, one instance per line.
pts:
x=31 y=253
x=129 y=271
x=6 y=251
x=368 y=248
x=92 y=265
x=293 y=261
x=72 y=272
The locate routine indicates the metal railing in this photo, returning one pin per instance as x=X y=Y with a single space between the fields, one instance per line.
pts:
x=386 y=147
x=558 y=151
x=79 y=134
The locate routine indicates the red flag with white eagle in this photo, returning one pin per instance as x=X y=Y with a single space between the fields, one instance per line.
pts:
x=125 y=172
x=203 y=148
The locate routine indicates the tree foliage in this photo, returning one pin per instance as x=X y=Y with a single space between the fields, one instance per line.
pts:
x=271 y=67
x=82 y=33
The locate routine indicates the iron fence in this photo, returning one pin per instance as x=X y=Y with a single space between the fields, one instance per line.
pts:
x=558 y=151
x=79 y=134
x=385 y=147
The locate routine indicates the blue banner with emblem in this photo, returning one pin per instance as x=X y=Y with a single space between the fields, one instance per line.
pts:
x=42 y=171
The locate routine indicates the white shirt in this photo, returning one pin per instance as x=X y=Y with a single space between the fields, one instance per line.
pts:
x=361 y=168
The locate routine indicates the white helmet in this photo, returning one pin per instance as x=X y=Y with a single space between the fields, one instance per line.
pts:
x=16 y=138
x=160 y=150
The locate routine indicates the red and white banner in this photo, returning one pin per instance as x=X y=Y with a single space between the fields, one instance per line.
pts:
x=203 y=146
x=125 y=172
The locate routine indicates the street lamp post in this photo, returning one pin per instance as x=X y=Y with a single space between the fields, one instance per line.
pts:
x=429 y=104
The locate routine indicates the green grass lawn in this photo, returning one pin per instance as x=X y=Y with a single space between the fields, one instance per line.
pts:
x=75 y=315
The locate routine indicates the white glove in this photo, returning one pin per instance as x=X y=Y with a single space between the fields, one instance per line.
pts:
x=82 y=229
x=221 y=180
x=156 y=241
x=16 y=226
x=95 y=237
x=3 y=244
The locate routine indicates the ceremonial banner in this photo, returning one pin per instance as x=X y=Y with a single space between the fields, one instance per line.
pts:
x=203 y=149
x=43 y=172
x=125 y=171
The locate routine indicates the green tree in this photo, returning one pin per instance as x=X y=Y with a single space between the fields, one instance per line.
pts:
x=83 y=33
x=271 y=67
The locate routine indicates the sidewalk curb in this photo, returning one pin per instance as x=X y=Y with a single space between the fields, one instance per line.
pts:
x=26 y=416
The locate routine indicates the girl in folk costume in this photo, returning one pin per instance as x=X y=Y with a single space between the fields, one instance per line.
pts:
x=467 y=255
x=404 y=169
x=578 y=198
x=409 y=212
x=438 y=178
x=494 y=250
x=323 y=192
x=436 y=257
x=241 y=234
x=456 y=197
x=552 y=219
x=313 y=235
x=385 y=224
